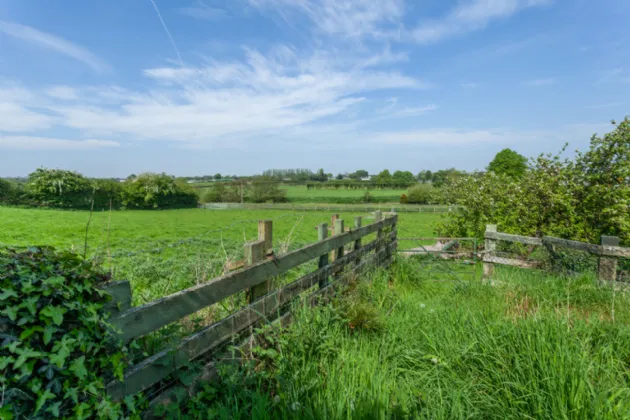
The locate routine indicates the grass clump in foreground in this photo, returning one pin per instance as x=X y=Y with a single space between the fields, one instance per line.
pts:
x=402 y=345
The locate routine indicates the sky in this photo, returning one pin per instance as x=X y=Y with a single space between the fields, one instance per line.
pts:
x=193 y=87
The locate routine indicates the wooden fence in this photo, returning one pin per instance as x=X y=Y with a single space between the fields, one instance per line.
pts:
x=263 y=304
x=404 y=208
x=608 y=252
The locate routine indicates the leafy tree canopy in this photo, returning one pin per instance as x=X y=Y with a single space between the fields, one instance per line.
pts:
x=509 y=163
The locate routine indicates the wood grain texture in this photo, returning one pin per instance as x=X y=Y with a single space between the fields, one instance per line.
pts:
x=513 y=238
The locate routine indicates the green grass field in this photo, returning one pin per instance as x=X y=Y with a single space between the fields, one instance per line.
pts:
x=402 y=345
x=162 y=252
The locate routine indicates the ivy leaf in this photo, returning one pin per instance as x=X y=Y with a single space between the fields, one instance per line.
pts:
x=25 y=354
x=73 y=394
x=78 y=367
x=11 y=312
x=30 y=304
x=55 y=281
x=54 y=409
x=27 y=333
x=7 y=294
x=54 y=312
x=48 y=332
x=47 y=395
x=4 y=361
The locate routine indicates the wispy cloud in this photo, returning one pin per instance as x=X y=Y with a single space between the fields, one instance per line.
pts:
x=608 y=75
x=606 y=105
x=224 y=102
x=202 y=11
x=53 y=43
x=471 y=16
x=48 y=143
x=539 y=82
x=350 y=19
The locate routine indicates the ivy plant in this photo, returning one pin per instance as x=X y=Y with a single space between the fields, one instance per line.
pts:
x=57 y=351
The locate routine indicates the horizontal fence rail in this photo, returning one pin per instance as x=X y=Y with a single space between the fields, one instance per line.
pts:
x=408 y=208
x=608 y=252
x=348 y=256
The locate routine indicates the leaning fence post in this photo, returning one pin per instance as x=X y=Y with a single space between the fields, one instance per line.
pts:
x=357 y=243
x=607 y=267
x=322 y=233
x=254 y=255
x=490 y=248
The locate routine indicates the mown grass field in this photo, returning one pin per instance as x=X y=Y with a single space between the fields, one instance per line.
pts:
x=403 y=344
x=162 y=252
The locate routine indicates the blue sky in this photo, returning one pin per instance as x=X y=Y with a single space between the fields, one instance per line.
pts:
x=191 y=87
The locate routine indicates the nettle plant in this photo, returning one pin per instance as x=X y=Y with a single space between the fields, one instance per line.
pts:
x=57 y=350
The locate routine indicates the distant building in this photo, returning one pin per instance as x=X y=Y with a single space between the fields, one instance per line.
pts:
x=367 y=178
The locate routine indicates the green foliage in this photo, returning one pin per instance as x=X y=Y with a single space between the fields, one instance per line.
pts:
x=107 y=192
x=404 y=199
x=357 y=175
x=509 y=163
x=445 y=176
x=60 y=188
x=367 y=197
x=579 y=199
x=384 y=177
x=216 y=194
x=403 y=177
x=420 y=194
x=153 y=191
x=263 y=190
x=57 y=352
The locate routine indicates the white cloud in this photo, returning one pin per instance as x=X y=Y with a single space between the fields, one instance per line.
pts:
x=48 y=143
x=222 y=102
x=17 y=118
x=470 y=16
x=202 y=11
x=350 y=19
x=67 y=93
x=539 y=82
x=53 y=43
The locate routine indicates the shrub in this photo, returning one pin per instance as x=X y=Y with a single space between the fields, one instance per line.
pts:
x=107 y=191
x=419 y=194
x=60 y=188
x=404 y=199
x=580 y=199
x=367 y=197
x=57 y=352
x=215 y=194
x=265 y=190
x=157 y=191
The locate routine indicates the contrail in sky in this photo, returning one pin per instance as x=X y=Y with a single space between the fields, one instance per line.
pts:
x=167 y=32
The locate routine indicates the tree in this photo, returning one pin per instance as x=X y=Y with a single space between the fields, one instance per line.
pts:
x=384 y=177
x=361 y=173
x=421 y=177
x=509 y=163
x=404 y=177
x=217 y=176
x=428 y=176
x=339 y=176
x=153 y=191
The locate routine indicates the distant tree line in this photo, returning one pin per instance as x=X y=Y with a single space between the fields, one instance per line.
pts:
x=57 y=188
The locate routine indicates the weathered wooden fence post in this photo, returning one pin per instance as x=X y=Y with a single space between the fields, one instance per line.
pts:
x=490 y=248
x=357 y=243
x=607 y=267
x=254 y=255
x=338 y=253
x=322 y=233
x=378 y=216
x=265 y=233
x=390 y=248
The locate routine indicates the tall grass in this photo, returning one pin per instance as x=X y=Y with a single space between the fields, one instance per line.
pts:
x=400 y=344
